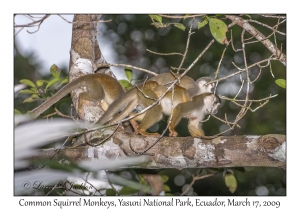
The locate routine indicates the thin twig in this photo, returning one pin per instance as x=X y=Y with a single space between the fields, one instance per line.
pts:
x=195 y=178
x=126 y=66
x=187 y=45
x=219 y=65
x=180 y=16
x=164 y=53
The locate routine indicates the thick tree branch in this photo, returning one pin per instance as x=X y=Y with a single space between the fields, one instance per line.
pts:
x=184 y=152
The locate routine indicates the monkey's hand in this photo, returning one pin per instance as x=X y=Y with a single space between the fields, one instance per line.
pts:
x=144 y=133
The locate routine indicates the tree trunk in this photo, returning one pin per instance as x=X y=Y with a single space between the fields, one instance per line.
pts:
x=85 y=54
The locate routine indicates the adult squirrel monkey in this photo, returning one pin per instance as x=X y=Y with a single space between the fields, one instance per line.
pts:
x=99 y=88
x=185 y=90
x=145 y=94
x=195 y=110
x=142 y=96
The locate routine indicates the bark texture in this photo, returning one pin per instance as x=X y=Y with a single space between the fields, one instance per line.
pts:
x=85 y=54
x=184 y=152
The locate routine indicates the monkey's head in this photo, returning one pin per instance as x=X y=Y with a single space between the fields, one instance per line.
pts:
x=212 y=103
x=204 y=87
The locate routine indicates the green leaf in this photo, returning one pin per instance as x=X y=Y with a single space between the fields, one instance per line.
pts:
x=55 y=71
x=125 y=84
x=185 y=16
x=218 y=29
x=230 y=182
x=142 y=180
x=110 y=192
x=26 y=91
x=52 y=82
x=281 y=83
x=179 y=25
x=28 y=100
x=34 y=89
x=34 y=96
x=248 y=16
x=128 y=73
x=203 y=23
x=40 y=82
x=164 y=178
x=27 y=82
x=128 y=191
x=167 y=188
x=17 y=111
x=157 y=18
x=64 y=80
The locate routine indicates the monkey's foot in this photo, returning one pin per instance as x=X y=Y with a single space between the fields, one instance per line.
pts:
x=144 y=133
x=173 y=132
x=135 y=126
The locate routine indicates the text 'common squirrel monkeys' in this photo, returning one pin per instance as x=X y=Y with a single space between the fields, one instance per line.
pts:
x=145 y=94
x=99 y=88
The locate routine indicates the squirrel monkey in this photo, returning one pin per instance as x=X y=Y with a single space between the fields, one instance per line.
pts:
x=142 y=96
x=185 y=90
x=99 y=88
x=195 y=110
x=154 y=88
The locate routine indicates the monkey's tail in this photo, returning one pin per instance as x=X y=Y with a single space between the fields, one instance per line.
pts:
x=56 y=97
x=124 y=104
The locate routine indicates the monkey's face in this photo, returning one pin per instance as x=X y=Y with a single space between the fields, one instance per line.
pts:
x=204 y=86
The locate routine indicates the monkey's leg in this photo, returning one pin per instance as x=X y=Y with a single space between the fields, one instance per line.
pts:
x=177 y=114
x=195 y=128
x=134 y=121
x=124 y=113
x=152 y=116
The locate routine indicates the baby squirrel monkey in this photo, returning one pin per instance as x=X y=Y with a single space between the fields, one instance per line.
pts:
x=153 y=89
x=195 y=110
x=99 y=88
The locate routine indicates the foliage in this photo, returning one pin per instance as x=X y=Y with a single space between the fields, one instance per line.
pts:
x=38 y=90
x=127 y=84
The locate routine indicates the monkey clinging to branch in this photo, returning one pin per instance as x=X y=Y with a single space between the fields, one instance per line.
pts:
x=144 y=95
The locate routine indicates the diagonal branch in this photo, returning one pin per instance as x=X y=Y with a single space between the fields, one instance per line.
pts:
x=259 y=36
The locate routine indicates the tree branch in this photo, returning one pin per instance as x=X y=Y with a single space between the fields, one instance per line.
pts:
x=259 y=36
x=183 y=152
